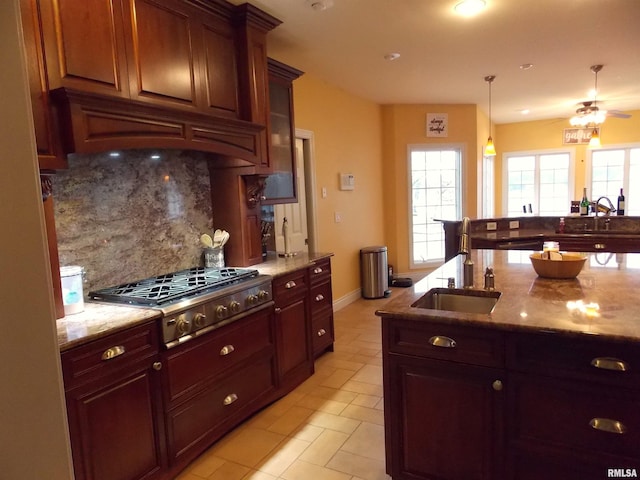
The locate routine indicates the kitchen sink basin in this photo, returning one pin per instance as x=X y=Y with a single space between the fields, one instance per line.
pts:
x=459 y=300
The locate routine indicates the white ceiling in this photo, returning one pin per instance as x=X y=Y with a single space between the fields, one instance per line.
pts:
x=445 y=57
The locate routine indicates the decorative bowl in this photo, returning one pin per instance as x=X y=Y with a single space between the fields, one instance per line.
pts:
x=568 y=267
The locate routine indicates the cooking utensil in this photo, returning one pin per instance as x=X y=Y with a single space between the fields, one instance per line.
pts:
x=206 y=240
x=217 y=238
x=224 y=238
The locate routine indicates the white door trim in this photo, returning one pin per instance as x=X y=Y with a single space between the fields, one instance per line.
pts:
x=310 y=185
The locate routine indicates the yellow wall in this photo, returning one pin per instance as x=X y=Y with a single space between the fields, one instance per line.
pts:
x=406 y=125
x=348 y=139
x=547 y=134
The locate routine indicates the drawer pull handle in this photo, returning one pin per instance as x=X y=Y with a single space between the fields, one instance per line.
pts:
x=226 y=350
x=322 y=332
x=608 y=425
x=157 y=366
x=290 y=284
x=229 y=399
x=600 y=246
x=441 y=341
x=610 y=363
x=317 y=270
x=497 y=385
x=113 y=352
x=319 y=297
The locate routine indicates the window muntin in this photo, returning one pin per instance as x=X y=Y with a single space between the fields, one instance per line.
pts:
x=611 y=169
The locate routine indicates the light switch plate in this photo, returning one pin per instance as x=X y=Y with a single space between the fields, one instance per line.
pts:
x=514 y=224
x=347 y=181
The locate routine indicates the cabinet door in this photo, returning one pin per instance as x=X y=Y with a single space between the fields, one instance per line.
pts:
x=443 y=421
x=292 y=336
x=84 y=45
x=114 y=427
x=161 y=60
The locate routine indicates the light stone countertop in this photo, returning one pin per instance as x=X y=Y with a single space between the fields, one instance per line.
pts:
x=101 y=319
x=528 y=302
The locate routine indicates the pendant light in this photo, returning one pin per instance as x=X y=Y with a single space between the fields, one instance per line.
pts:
x=594 y=141
x=490 y=149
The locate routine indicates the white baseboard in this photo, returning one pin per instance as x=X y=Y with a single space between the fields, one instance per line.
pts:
x=345 y=300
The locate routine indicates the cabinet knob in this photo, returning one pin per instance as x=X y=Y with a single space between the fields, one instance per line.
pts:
x=229 y=399
x=226 y=350
x=608 y=425
x=277 y=310
x=600 y=246
x=610 y=363
x=321 y=332
x=497 y=385
x=290 y=284
x=319 y=297
x=317 y=270
x=157 y=366
x=113 y=352
x=442 y=341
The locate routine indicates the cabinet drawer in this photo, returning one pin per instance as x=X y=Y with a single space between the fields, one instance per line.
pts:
x=109 y=354
x=289 y=286
x=322 y=331
x=321 y=297
x=444 y=342
x=588 y=358
x=575 y=415
x=200 y=360
x=320 y=271
x=207 y=416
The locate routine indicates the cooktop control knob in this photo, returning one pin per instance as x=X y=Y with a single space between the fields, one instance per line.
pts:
x=234 y=306
x=263 y=295
x=183 y=325
x=221 y=311
x=199 y=320
x=252 y=299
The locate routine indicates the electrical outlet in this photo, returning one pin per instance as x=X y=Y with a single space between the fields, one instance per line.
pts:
x=492 y=226
x=338 y=217
x=514 y=224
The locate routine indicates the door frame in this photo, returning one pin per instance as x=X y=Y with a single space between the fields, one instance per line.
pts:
x=308 y=145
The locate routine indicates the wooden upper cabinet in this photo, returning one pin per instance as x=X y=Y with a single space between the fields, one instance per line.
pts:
x=84 y=45
x=161 y=57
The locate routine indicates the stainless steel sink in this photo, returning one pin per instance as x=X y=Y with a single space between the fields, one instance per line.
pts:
x=458 y=300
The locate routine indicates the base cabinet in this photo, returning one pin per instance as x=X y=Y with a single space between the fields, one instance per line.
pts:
x=477 y=403
x=114 y=407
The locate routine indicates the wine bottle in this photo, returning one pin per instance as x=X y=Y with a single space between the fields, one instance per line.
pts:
x=620 y=209
x=584 y=203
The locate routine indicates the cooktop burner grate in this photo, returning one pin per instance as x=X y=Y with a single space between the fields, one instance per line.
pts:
x=170 y=287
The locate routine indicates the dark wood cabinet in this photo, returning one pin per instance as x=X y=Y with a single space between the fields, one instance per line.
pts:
x=281 y=184
x=572 y=406
x=114 y=406
x=443 y=406
x=519 y=405
x=293 y=329
x=212 y=384
x=321 y=301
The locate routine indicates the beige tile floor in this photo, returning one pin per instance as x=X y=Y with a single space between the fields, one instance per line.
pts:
x=329 y=428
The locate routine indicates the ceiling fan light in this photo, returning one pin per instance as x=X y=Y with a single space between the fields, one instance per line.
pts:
x=594 y=141
x=490 y=149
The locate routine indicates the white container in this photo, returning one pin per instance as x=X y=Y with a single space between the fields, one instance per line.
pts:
x=72 y=298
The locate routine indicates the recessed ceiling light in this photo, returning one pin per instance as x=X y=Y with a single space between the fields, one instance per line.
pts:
x=392 y=56
x=469 y=8
x=320 y=5
x=525 y=111
x=526 y=66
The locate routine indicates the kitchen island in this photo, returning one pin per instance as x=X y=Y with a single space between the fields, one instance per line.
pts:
x=545 y=386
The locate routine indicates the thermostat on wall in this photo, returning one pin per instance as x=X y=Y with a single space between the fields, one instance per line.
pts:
x=347 y=181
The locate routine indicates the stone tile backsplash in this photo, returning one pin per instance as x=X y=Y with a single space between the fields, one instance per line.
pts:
x=132 y=216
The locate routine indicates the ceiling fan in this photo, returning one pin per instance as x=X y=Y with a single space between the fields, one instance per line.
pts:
x=588 y=113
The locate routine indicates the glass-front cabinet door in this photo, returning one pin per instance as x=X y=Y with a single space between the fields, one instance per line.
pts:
x=281 y=184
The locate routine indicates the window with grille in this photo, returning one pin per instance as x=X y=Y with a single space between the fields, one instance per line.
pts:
x=435 y=178
x=611 y=169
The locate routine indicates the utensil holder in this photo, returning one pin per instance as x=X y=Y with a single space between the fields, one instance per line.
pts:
x=214 y=257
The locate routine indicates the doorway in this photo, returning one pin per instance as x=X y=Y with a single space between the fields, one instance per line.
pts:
x=301 y=216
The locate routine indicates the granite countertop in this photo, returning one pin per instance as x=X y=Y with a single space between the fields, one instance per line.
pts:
x=101 y=319
x=528 y=302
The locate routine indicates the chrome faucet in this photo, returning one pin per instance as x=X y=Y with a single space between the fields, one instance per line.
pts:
x=465 y=249
x=606 y=210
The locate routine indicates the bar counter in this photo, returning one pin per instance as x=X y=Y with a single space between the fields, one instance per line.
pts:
x=602 y=300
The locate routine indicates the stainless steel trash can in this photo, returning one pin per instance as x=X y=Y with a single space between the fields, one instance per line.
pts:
x=374 y=272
